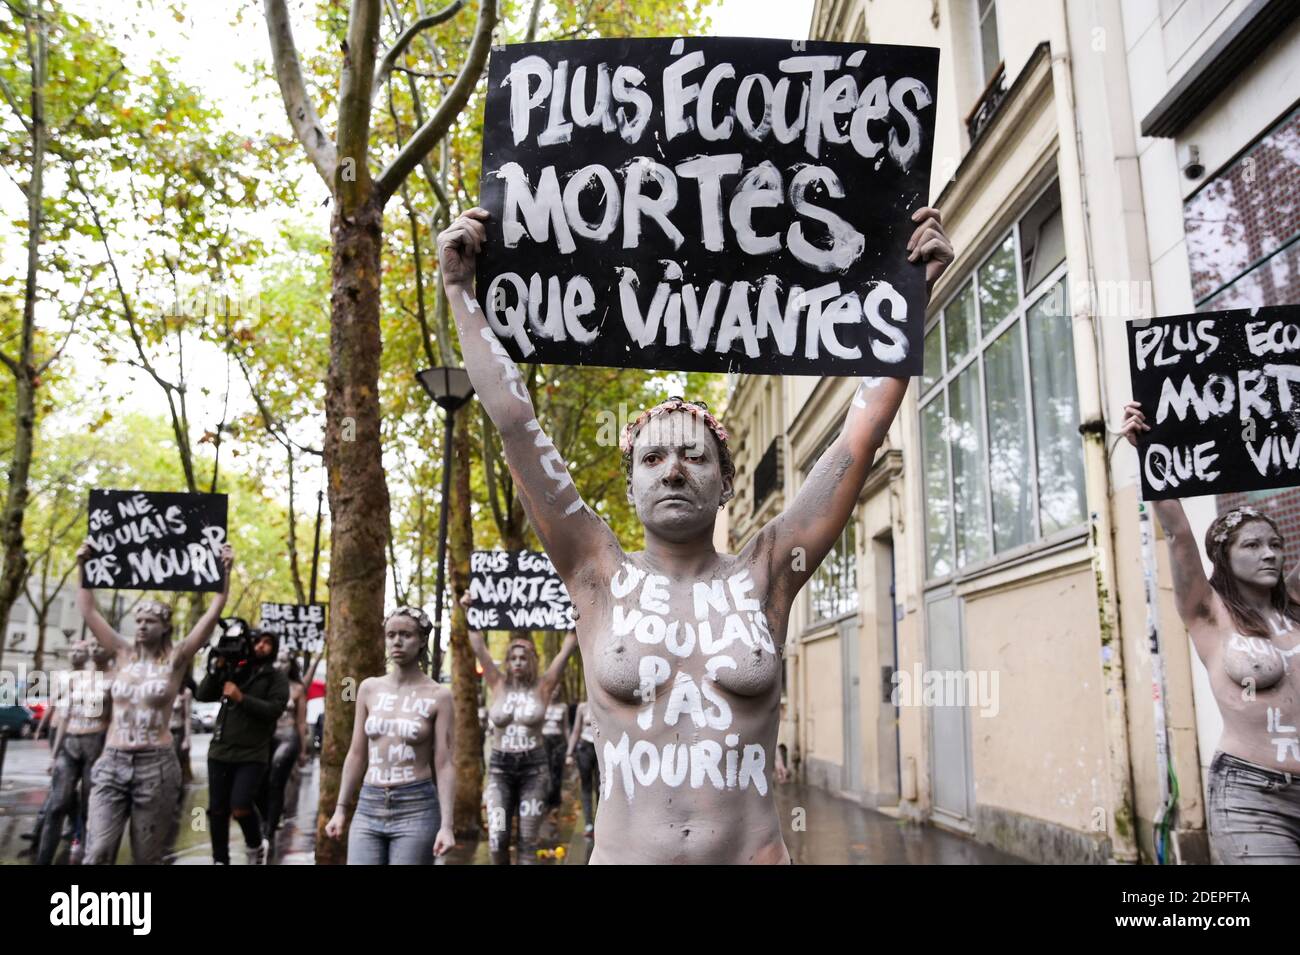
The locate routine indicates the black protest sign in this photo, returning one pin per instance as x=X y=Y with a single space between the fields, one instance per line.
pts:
x=155 y=540
x=707 y=204
x=301 y=627
x=516 y=590
x=1221 y=392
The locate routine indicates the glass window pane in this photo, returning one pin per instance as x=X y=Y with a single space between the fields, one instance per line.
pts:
x=1056 y=412
x=989 y=38
x=933 y=370
x=969 y=478
x=833 y=590
x=959 y=317
x=1010 y=473
x=938 y=510
x=998 y=292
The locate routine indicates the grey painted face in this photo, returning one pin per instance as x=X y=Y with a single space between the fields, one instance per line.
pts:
x=1255 y=555
x=402 y=640
x=151 y=630
x=677 y=484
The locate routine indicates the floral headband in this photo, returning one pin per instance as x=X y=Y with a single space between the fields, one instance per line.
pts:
x=414 y=613
x=1233 y=519
x=155 y=607
x=696 y=408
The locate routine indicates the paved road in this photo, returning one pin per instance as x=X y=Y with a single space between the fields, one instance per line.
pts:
x=819 y=828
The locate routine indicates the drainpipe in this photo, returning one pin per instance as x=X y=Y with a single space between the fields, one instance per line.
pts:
x=1121 y=821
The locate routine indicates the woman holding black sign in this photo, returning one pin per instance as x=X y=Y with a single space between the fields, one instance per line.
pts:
x=518 y=772
x=138 y=777
x=1245 y=624
x=681 y=644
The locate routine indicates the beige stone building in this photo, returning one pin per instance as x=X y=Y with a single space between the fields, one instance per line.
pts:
x=975 y=652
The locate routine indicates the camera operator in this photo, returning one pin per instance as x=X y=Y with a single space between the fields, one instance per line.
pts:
x=253 y=693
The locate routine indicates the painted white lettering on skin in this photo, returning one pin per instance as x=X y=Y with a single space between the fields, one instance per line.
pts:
x=77 y=908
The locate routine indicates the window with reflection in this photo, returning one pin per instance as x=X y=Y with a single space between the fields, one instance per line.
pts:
x=1001 y=454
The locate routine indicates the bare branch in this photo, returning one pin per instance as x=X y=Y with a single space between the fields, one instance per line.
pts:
x=62 y=127
x=354 y=102
x=12 y=100
x=404 y=40
x=428 y=135
x=293 y=90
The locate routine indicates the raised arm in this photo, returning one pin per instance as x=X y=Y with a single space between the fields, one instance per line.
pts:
x=491 y=675
x=354 y=765
x=208 y=622
x=798 y=539
x=551 y=678
x=569 y=530
x=576 y=731
x=478 y=644
x=108 y=638
x=444 y=771
x=1193 y=595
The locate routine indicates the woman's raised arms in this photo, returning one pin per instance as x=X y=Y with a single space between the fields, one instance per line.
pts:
x=570 y=531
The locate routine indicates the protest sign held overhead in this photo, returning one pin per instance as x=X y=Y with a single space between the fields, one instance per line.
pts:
x=301 y=627
x=516 y=590
x=707 y=204
x=1221 y=392
x=155 y=540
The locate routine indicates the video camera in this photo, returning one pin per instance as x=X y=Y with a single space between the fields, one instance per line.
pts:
x=232 y=654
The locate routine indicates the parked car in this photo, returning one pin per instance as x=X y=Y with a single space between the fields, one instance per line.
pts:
x=17 y=720
x=203 y=716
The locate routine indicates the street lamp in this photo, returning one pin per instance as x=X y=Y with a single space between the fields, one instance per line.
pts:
x=450 y=389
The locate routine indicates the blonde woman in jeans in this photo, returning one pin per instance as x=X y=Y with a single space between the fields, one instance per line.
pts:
x=401 y=742
x=138 y=777
x=1245 y=624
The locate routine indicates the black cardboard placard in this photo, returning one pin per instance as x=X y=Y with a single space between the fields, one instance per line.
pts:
x=516 y=590
x=155 y=540
x=301 y=627
x=1221 y=392
x=707 y=204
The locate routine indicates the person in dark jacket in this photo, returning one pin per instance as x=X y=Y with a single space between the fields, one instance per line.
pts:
x=251 y=702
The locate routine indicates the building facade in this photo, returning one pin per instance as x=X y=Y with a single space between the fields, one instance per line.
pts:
x=975 y=651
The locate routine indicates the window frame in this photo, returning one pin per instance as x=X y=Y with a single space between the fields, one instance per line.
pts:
x=938 y=391
x=985 y=70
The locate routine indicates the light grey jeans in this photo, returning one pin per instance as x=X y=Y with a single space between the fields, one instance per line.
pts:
x=1254 y=814
x=137 y=785
x=395 y=825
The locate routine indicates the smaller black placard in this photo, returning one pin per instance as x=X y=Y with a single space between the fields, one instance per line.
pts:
x=301 y=627
x=516 y=590
x=1221 y=392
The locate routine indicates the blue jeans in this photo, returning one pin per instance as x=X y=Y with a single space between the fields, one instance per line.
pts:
x=395 y=825
x=1254 y=814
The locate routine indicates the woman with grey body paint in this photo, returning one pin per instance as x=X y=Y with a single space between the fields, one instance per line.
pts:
x=681 y=644
x=582 y=753
x=78 y=742
x=138 y=777
x=518 y=773
x=1244 y=622
x=398 y=773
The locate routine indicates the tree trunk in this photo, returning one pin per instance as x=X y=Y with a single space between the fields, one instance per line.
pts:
x=358 y=493
x=464 y=678
x=14 y=572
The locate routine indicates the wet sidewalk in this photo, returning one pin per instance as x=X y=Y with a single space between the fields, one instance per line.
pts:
x=820 y=828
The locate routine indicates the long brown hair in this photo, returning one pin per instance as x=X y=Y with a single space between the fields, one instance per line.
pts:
x=530 y=672
x=1221 y=534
